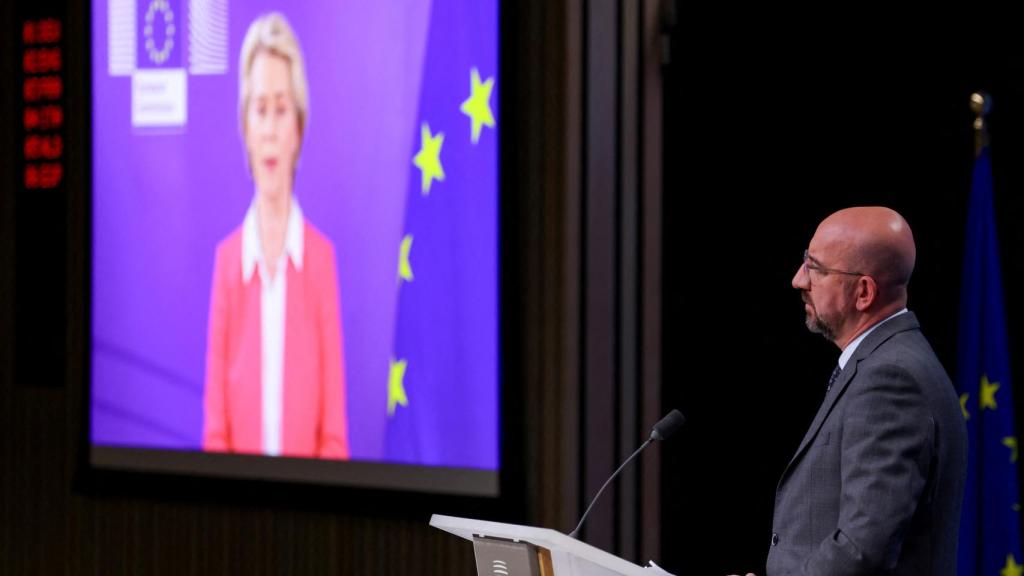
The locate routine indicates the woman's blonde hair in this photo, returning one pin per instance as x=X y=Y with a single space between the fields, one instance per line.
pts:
x=271 y=33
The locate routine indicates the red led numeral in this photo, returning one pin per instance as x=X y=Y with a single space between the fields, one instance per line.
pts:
x=41 y=60
x=41 y=31
x=43 y=88
x=46 y=175
x=50 y=117
x=49 y=147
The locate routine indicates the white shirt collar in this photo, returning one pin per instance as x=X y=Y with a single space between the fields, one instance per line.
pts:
x=852 y=346
x=252 y=248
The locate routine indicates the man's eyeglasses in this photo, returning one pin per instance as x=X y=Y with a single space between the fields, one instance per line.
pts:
x=812 y=265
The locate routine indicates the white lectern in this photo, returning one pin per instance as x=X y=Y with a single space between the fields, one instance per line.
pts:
x=513 y=550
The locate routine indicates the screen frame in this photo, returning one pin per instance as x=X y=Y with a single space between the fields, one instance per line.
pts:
x=370 y=487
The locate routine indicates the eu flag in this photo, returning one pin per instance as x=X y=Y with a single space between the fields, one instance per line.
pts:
x=443 y=375
x=990 y=542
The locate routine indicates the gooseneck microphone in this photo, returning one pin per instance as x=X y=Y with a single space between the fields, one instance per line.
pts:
x=664 y=429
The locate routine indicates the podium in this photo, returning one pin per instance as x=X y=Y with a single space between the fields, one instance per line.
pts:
x=514 y=550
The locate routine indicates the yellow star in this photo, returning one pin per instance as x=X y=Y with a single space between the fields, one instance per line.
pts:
x=478 y=105
x=404 y=268
x=396 y=386
x=428 y=159
x=988 y=393
x=1011 y=568
x=1011 y=443
x=963 y=405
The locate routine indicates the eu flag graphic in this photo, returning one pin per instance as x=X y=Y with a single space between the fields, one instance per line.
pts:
x=990 y=526
x=160 y=33
x=443 y=382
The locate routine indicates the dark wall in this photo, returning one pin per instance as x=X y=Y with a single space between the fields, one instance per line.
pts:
x=55 y=517
x=771 y=125
x=768 y=127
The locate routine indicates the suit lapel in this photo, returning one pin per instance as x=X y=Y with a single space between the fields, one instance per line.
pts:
x=831 y=397
x=901 y=323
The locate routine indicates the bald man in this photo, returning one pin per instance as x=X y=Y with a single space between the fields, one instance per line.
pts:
x=877 y=482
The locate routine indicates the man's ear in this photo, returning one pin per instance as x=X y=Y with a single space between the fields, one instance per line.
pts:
x=866 y=292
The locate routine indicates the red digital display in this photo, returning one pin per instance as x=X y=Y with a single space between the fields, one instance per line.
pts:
x=42 y=94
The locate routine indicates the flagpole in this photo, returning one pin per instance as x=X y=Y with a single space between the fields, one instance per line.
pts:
x=981 y=105
x=990 y=531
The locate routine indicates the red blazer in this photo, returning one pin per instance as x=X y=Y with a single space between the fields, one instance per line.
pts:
x=314 y=417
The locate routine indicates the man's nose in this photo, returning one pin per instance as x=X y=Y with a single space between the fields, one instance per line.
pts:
x=801 y=280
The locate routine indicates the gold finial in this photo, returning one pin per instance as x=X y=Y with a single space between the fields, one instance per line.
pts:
x=981 y=105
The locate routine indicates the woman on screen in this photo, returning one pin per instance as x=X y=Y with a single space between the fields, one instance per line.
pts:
x=275 y=380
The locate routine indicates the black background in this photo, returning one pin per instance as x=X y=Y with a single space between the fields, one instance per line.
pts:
x=771 y=122
x=771 y=125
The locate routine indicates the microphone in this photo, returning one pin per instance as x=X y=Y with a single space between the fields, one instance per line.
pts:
x=668 y=425
x=663 y=430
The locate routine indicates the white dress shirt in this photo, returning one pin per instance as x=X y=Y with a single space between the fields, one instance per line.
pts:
x=273 y=297
x=852 y=346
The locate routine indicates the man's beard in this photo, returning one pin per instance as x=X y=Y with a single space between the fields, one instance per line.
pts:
x=820 y=325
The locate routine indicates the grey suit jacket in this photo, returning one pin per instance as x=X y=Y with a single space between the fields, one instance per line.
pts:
x=877 y=482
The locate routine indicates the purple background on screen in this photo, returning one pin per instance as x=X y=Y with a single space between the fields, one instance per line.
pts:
x=164 y=197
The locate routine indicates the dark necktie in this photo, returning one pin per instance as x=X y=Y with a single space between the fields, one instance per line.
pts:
x=835 y=376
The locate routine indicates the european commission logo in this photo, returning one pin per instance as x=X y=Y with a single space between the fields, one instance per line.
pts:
x=159 y=26
x=159 y=44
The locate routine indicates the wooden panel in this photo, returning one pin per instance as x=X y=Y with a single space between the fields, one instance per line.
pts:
x=546 y=567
